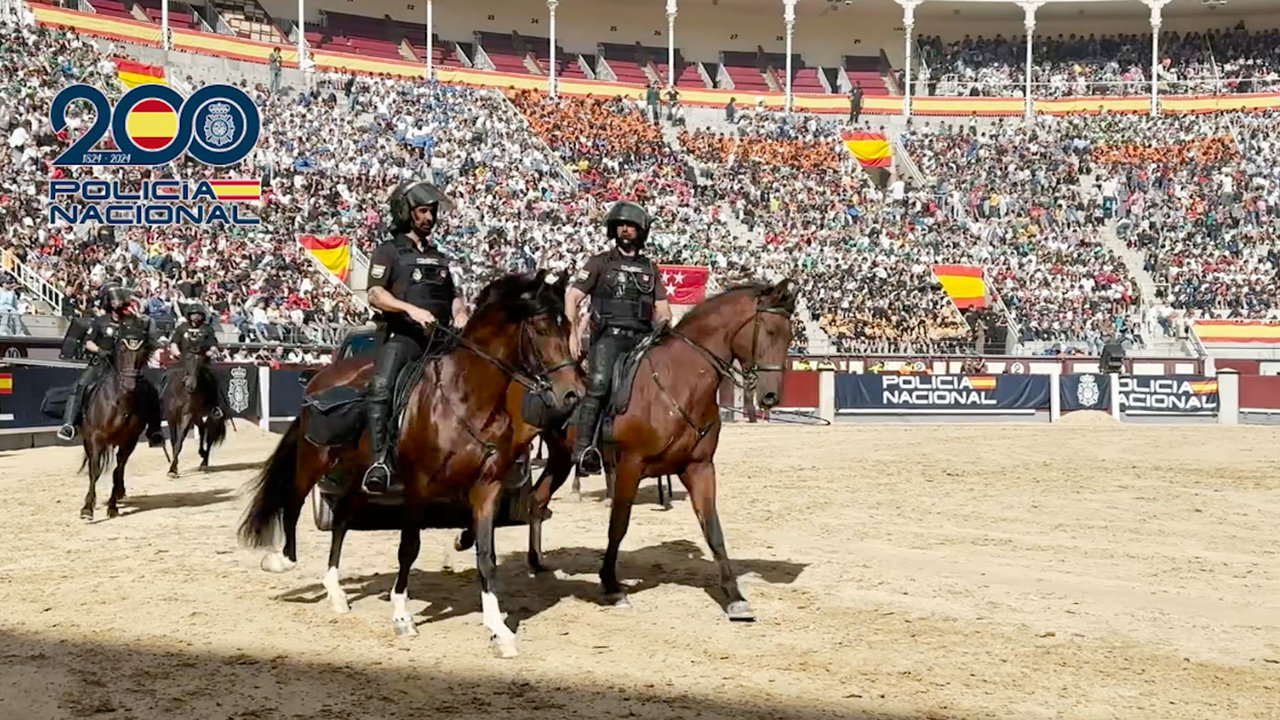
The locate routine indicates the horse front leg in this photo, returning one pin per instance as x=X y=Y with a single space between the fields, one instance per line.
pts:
x=117 y=476
x=177 y=434
x=484 y=505
x=627 y=481
x=205 y=445
x=332 y=579
x=95 y=456
x=410 y=543
x=700 y=480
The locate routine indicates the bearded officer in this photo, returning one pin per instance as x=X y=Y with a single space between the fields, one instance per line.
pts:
x=410 y=282
x=627 y=302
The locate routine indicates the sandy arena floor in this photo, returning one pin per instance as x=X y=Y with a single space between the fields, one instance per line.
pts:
x=898 y=572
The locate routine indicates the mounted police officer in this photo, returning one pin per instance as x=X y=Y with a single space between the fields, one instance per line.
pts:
x=410 y=282
x=196 y=336
x=627 y=301
x=117 y=306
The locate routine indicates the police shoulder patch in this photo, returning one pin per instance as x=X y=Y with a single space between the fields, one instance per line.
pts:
x=378 y=270
x=583 y=274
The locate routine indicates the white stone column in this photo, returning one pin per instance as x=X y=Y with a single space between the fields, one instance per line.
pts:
x=1228 y=397
x=1157 y=19
x=909 y=30
x=164 y=25
x=827 y=395
x=302 y=34
x=789 y=23
x=431 y=42
x=671 y=43
x=1029 y=23
x=551 y=76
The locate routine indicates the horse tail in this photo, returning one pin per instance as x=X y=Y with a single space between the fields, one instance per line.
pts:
x=273 y=490
x=104 y=458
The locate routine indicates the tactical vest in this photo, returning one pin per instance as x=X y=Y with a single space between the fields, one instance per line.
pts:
x=194 y=339
x=422 y=280
x=105 y=336
x=624 y=295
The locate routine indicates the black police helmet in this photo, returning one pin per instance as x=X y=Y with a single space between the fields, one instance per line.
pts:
x=411 y=195
x=628 y=212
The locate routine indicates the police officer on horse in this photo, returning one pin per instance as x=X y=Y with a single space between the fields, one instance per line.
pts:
x=410 y=282
x=117 y=307
x=196 y=336
x=627 y=301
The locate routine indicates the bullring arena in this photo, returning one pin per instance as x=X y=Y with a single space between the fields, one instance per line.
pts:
x=1075 y=570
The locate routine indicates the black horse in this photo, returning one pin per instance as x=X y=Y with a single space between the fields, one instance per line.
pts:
x=191 y=399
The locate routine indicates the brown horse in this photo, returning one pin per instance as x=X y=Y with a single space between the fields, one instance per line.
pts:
x=188 y=401
x=116 y=414
x=456 y=441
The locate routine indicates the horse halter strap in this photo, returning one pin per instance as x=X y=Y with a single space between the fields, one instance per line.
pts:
x=746 y=378
x=539 y=383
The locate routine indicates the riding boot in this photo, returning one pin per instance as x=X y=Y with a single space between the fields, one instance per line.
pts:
x=151 y=401
x=585 y=454
x=71 y=413
x=377 y=479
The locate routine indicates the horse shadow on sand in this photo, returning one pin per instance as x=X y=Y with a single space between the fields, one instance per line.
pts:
x=132 y=505
x=525 y=595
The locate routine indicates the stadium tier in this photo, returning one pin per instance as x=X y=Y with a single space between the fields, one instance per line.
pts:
x=1081 y=228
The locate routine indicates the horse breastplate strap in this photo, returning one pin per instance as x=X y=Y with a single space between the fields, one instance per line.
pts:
x=625 y=296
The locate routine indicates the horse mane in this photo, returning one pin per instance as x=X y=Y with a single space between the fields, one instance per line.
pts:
x=713 y=303
x=515 y=297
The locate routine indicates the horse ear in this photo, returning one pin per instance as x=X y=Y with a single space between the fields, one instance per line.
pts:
x=541 y=276
x=784 y=293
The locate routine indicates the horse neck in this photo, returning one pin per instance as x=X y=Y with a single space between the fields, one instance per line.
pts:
x=476 y=379
x=714 y=331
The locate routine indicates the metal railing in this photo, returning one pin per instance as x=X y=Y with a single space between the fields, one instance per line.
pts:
x=32 y=281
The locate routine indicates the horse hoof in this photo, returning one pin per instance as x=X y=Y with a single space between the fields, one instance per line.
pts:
x=504 y=647
x=112 y=512
x=740 y=611
x=618 y=600
x=404 y=627
x=86 y=515
x=465 y=541
x=276 y=562
x=608 y=502
x=173 y=474
x=339 y=604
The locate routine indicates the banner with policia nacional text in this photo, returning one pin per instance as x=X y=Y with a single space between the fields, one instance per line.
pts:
x=953 y=394
x=1172 y=395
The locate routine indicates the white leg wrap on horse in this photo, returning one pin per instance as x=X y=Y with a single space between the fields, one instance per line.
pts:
x=337 y=596
x=276 y=562
x=493 y=617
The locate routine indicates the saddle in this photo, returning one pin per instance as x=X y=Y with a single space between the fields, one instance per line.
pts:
x=624 y=373
x=338 y=416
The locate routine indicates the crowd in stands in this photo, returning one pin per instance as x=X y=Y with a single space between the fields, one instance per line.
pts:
x=1218 y=61
x=531 y=177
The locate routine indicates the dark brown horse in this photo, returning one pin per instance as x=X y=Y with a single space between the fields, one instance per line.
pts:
x=189 y=401
x=456 y=441
x=115 y=414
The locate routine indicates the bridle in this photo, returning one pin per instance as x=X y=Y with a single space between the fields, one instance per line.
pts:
x=748 y=377
x=536 y=379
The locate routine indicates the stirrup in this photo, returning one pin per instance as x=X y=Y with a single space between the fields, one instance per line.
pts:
x=216 y=413
x=67 y=432
x=376 y=485
x=591 y=462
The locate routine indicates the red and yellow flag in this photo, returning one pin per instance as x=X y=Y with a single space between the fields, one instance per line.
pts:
x=963 y=283
x=133 y=73
x=1237 y=331
x=6 y=383
x=870 y=148
x=152 y=124
x=334 y=252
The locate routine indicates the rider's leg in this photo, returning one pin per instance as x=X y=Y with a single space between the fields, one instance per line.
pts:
x=605 y=351
x=217 y=401
x=398 y=351
x=71 y=413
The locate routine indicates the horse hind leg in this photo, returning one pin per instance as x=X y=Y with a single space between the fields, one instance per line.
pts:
x=117 y=477
x=332 y=579
x=177 y=435
x=205 y=446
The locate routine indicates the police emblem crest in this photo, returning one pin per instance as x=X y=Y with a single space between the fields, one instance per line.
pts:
x=1087 y=391
x=238 y=390
x=219 y=127
x=417 y=275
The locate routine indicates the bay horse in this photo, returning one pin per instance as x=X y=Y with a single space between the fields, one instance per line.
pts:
x=188 y=401
x=115 y=415
x=456 y=441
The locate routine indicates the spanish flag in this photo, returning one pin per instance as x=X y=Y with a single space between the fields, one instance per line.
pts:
x=133 y=73
x=333 y=252
x=870 y=148
x=982 y=382
x=1238 y=331
x=1204 y=387
x=236 y=190
x=963 y=283
x=6 y=383
x=152 y=124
